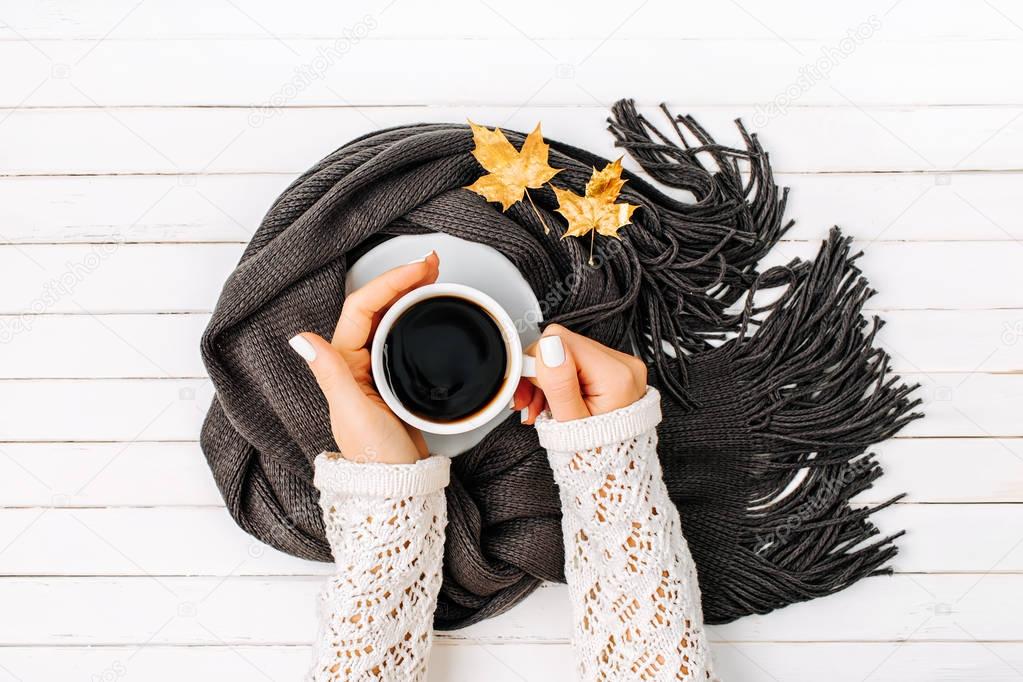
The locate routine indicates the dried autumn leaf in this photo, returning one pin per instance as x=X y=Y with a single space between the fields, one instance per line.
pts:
x=511 y=172
x=606 y=184
x=596 y=212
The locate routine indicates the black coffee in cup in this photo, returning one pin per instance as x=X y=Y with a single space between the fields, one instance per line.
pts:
x=445 y=359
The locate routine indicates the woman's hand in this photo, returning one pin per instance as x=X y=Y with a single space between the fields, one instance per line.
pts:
x=364 y=427
x=576 y=377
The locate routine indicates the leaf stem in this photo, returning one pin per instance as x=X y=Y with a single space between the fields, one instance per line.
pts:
x=593 y=237
x=546 y=230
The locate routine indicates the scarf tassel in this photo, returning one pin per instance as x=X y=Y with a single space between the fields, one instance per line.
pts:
x=820 y=394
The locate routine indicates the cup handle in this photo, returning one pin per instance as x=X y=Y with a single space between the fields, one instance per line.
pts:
x=528 y=367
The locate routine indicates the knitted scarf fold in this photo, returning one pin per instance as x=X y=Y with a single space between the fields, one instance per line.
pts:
x=771 y=399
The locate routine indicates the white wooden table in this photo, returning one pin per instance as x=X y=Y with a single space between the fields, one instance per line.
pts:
x=141 y=141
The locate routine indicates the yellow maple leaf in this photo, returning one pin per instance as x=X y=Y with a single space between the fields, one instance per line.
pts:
x=510 y=172
x=596 y=212
x=606 y=184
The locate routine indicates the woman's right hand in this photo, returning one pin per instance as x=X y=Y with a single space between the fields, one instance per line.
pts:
x=577 y=377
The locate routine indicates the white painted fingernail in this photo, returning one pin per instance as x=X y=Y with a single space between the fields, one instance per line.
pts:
x=552 y=351
x=524 y=415
x=301 y=346
x=511 y=404
x=420 y=260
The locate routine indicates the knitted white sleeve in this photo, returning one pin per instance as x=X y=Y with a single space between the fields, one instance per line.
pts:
x=635 y=599
x=385 y=524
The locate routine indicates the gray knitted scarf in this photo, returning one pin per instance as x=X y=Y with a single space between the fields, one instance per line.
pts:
x=787 y=396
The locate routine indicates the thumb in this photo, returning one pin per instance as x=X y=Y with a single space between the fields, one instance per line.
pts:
x=329 y=368
x=558 y=377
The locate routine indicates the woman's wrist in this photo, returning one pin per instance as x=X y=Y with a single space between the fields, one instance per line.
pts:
x=604 y=429
x=338 y=476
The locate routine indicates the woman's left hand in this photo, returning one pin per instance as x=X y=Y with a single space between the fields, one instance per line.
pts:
x=364 y=427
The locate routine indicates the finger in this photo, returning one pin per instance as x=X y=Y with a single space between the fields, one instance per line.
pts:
x=601 y=368
x=635 y=364
x=418 y=440
x=557 y=376
x=359 y=313
x=531 y=411
x=523 y=394
x=581 y=347
x=585 y=343
x=531 y=351
x=330 y=370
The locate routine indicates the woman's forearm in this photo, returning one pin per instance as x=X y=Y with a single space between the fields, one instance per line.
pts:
x=632 y=581
x=385 y=524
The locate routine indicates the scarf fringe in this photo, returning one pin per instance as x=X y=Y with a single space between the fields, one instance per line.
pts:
x=697 y=258
x=812 y=363
x=807 y=543
x=824 y=395
x=821 y=392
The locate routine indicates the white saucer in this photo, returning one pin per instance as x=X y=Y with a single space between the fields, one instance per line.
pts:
x=463 y=262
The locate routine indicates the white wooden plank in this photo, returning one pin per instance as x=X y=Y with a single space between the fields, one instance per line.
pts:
x=448 y=663
x=938 y=537
x=240 y=610
x=979 y=405
x=950 y=470
x=143 y=474
x=120 y=278
x=106 y=475
x=511 y=71
x=532 y=662
x=84 y=346
x=160 y=208
x=205 y=541
x=160 y=346
x=289 y=140
x=135 y=278
x=82 y=410
x=859 y=662
x=942 y=275
x=228 y=208
x=897 y=207
x=784 y=19
x=937 y=341
x=983 y=405
x=157 y=663
x=137 y=541
x=104 y=346
x=921 y=607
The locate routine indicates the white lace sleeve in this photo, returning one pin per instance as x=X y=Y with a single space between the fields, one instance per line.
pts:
x=632 y=581
x=385 y=524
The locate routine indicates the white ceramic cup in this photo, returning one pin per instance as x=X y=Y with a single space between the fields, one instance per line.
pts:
x=518 y=363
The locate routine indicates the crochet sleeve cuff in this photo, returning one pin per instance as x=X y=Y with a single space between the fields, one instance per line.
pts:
x=338 y=476
x=592 y=432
